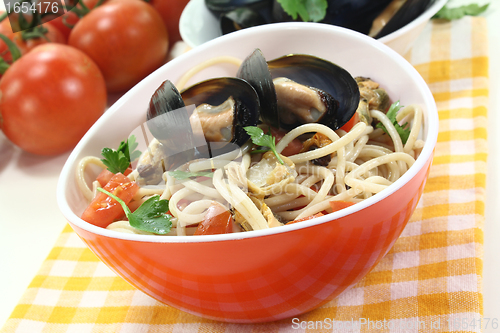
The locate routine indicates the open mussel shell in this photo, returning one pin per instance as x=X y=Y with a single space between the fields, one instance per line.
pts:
x=323 y=75
x=219 y=90
x=254 y=70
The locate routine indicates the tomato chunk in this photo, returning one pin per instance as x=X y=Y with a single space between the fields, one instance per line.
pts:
x=218 y=220
x=103 y=210
x=350 y=124
x=338 y=205
x=293 y=147
x=106 y=175
x=307 y=218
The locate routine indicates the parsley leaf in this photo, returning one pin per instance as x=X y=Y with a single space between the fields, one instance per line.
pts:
x=116 y=161
x=459 y=12
x=265 y=140
x=403 y=130
x=150 y=216
x=120 y=159
x=180 y=175
x=308 y=10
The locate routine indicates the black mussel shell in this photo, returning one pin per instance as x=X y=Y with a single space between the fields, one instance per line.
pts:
x=254 y=70
x=217 y=91
x=324 y=75
x=240 y=18
x=409 y=11
x=165 y=99
x=223 y=6
x=356 y=15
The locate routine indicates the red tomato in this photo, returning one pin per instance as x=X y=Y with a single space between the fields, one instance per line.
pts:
x=103 y=210
x=126 y=38
x=218 y=220
x=49 y=98
x=338 y=205
x=293 y=147
x=62 y=22
x=307 y=218
x=106 y=175
x=170 y=12
x=350 y=124
x=53 y=35
x=70 y=18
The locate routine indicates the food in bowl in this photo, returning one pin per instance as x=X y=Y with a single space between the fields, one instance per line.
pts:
x=275 y=273
x=198 y=24
x=309 y=140
x=374 y=18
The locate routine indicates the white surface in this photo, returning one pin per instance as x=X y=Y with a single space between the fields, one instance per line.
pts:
x=31 y=222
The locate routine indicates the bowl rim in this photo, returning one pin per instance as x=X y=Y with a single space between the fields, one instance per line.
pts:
x=425 y=155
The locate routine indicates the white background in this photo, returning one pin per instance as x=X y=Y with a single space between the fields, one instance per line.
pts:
x=30 y=221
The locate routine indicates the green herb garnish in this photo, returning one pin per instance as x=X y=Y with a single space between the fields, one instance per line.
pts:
x=265 y=140
x=150 y=216
x=119 y=160
x=308 y=10
x=403 y=130
x=459 y=12
x=180 y=175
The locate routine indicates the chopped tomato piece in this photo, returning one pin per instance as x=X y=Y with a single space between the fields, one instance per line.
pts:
x=350 y=124
x=338 y=205
x=307 y=218
x=293 y=147
x=103 y=209
x=218 y=220
x=106 y=175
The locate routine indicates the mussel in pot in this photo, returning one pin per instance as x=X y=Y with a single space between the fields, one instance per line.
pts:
x=297 y=89
x=223 y=107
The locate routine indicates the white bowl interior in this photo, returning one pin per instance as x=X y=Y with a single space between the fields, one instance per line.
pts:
x=357 y=53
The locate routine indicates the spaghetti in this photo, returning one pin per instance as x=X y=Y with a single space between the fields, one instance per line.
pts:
x=262 y=193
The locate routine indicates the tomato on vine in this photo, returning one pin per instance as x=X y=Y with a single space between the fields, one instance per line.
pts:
x=170 y=12
x=126 y=38
x=50 y=97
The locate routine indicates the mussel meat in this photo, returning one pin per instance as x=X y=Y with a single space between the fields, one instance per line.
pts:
x=224 y=107
x=297 y=89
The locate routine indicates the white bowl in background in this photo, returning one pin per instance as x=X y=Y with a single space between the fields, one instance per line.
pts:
x=198 y=25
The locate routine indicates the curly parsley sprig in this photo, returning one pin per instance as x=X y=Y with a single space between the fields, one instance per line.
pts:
x=403 y=130
x=150 y=216
x=455 y=13
x=308 y=10
x=265 y=140
x=119 y=160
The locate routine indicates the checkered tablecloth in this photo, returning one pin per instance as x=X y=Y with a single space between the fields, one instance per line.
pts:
x=429 y=282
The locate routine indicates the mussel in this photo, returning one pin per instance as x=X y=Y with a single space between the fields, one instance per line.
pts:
x=240 y=18
x=374 y=18
x=297 y=89
x=398 y=14
x=224 y=6
x=223 y=107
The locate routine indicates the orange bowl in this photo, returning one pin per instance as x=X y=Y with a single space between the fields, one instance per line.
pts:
x=276 y=273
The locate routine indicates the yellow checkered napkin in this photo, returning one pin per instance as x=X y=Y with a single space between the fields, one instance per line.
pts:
x=429 y=282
